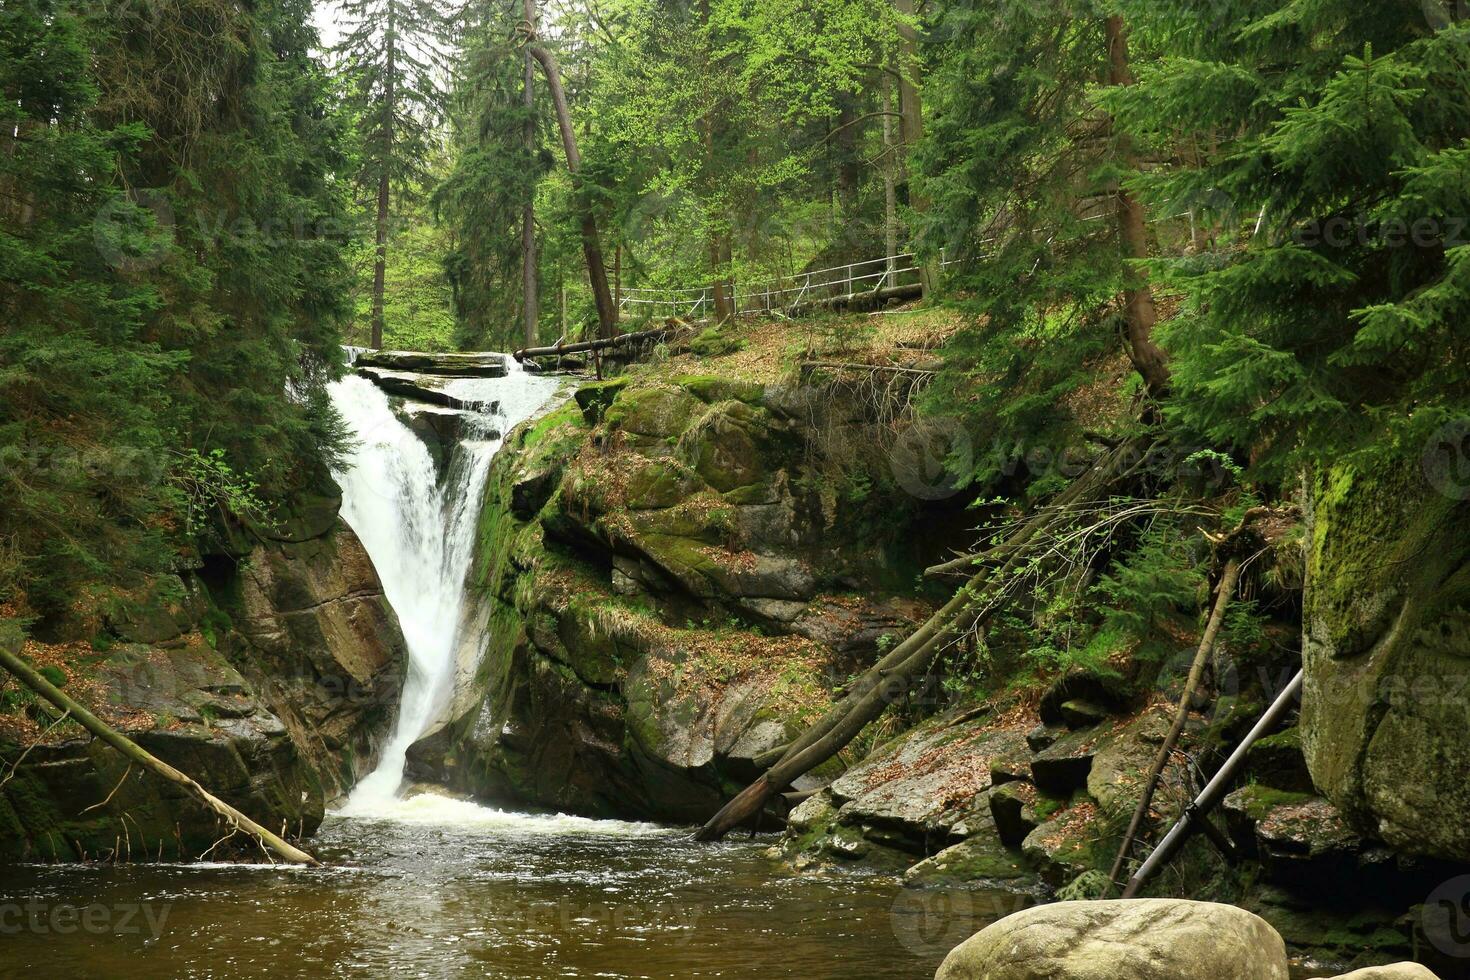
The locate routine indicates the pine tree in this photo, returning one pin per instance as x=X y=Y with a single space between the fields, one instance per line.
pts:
x=1329 y=319
x=394 y=60
x=493 y=180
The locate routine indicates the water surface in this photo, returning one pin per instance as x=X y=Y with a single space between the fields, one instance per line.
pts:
x=431 y=887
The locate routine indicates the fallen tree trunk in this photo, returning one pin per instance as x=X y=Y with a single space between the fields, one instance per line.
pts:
x=880 y=685
x=137 y=754
x=582 y=347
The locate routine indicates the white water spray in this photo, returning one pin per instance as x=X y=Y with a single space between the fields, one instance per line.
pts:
x=420 y=534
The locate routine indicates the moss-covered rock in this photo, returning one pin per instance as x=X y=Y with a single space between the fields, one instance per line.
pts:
x=1386 y=652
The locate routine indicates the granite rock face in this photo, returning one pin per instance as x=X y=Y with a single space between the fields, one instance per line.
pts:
x=1387 y=656
x=269 y=676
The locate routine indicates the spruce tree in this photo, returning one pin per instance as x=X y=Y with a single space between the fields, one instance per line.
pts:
x=393 y=57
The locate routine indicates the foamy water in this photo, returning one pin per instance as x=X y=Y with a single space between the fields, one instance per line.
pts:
x=420 y=534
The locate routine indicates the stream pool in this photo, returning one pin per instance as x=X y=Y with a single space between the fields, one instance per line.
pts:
x=434 y=887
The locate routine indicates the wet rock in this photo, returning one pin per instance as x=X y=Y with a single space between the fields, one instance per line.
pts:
x=419 y=388
x=595 y=398
x=1122 y=763
x=1016 y=808
x=1277 y=761
x=1142 y=939
x=1296 y=836
x=1105 y=692
x=1078 y=713
x=1043 y=736
x=927 y=786
x=275 y=697
x=1066 y=844
x=980 y=861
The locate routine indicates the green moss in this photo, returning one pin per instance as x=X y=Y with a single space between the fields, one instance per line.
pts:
x=593 y=400
x=712 y=388
x=717 y=341
x=1260 y=800
x=569 y=417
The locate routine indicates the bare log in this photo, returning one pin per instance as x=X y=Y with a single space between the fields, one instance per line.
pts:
x=135 y=753
x=582 y=347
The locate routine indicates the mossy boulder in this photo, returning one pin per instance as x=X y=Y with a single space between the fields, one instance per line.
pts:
x=980 y=861
x=654 y=413
x=713 y=388
x=594 y=399
x=1386 y=649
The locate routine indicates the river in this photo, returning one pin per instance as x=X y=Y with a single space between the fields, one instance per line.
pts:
x=434 y=887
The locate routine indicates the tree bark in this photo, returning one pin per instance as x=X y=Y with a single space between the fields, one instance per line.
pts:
x=137 y=754
x=1140 y=313
x=607 y=315
x=890 y=184
x=380 y=254
x=911 y=109
x=530 y=300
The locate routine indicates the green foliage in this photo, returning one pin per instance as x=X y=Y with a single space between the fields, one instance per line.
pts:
x=209 y=488
x=1162 y=576
x=171 y=274
x=1327 y=321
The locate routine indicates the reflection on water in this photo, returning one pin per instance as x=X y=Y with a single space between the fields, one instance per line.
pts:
x=432 y=887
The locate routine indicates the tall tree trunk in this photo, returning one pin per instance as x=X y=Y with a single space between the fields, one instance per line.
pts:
x=1148 y=358
x=607 y=315
x=890 y=184
x=530 y=300
x=380 y=257
x=911 y=110
x=719 y=242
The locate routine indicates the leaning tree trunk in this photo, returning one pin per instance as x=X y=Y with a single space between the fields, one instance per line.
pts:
x=135 y=753
x=607 y=315
x=1140 y=313
x=1228 y=580
x=911 y=659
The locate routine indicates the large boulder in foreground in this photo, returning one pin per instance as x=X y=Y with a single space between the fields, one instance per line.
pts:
x=1141 y=939
x=1386 y=649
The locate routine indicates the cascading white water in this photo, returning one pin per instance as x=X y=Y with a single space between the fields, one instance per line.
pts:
x=420 y=533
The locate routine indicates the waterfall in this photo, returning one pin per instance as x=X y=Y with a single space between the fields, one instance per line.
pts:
x=420 y=534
